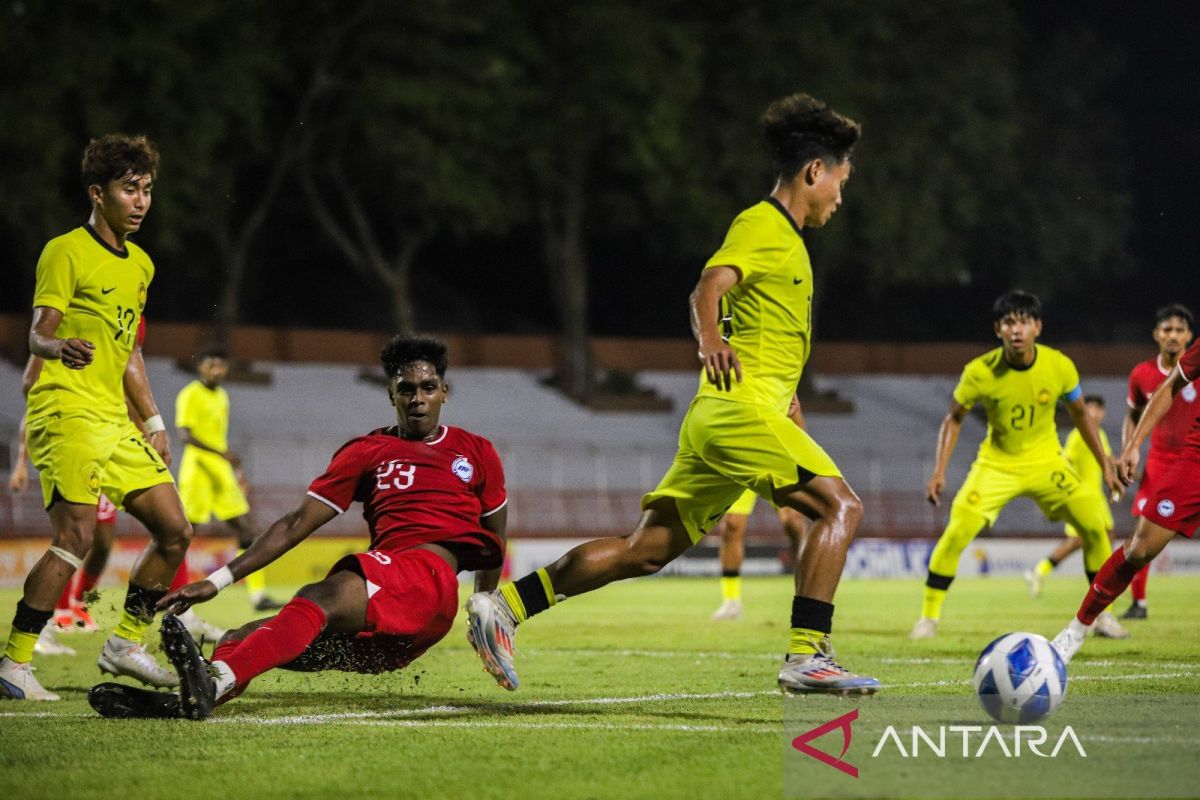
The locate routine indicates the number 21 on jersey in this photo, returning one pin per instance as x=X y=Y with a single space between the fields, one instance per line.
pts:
x=394 y=475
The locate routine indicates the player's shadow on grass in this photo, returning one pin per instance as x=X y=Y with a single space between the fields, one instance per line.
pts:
x=335 y=705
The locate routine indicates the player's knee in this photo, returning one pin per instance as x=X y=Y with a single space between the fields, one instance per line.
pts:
x=173 y=541
x=75 y=537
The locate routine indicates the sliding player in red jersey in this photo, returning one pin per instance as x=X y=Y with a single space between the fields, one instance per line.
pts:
x=434 y=499
x=1172 y=505
x=1173 y=330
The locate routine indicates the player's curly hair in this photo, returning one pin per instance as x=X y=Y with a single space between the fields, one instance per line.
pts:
x=1019 y=303
x=1175 y=310
x=116 y=155
x=404 y=350
x=799 y=128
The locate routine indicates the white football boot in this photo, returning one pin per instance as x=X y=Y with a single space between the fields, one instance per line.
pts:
x=1107 y=627
x=200 y=629
x=491 y=630
x=730 y=609
x=123 y=657
x=925 y=628
x=819 y=673
x=18 y=683
x=49 y=645
x=1034 y=581
x=1069 y=640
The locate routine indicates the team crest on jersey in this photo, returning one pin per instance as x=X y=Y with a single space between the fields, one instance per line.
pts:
x=1189 y=393
x=1165 y=508
x=141 y=296
x=973 y=498
x=463 y=469
x=1044 y=396
x=94 y=481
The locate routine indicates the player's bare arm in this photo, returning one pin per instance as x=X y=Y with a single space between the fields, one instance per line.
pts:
x=947 y=439
x=284 y=534
x=1156 y=409
x=1091 y=437
x=719 y=359
x=140 y=396
x=188 y=438
x=796 y=413
x=73 y=353
x=487 y=579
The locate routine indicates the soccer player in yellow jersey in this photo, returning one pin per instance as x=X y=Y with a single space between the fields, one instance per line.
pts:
x=732 y=551
x=1089 y=472
x=1019 y=384
x=89 y=296
x=752 y=317
x=210 y=474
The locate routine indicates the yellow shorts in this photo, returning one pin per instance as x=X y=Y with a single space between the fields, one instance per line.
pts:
x=744 y=505
x=209 y=487
x=727 y=447
x=80 y=456
x=1049 y=482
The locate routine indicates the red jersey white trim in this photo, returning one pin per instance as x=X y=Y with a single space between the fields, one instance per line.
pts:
x=327 y=502
x=494 y=510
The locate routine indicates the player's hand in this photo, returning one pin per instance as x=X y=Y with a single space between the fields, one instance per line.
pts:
x=162 y=445
x=1112 y=482
x=19 y=480
x=933 y=489
x=185 y=597
x=720 y=365
x=77 y=353
x=1127 y=465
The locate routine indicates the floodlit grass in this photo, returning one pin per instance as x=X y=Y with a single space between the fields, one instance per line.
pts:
x=629 y=692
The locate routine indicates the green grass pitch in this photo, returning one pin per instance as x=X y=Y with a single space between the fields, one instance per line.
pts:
x=628 y=692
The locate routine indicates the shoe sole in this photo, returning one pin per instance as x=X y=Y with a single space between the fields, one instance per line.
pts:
x=119 y=701
x=477 y=636
x=184 y=655
x=843 y=691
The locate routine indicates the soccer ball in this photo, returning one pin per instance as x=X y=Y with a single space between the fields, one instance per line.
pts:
x=1020 y=678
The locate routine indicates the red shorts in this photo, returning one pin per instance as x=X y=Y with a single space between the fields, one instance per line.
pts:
x=1173 y=498
x=412 y=598
x=106 y=512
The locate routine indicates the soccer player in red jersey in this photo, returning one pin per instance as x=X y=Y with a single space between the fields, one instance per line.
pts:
x=1172 y=505
x=1173 y=330
x=434 y=500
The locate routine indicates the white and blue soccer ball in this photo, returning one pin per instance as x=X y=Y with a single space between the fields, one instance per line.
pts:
x=1020 y=678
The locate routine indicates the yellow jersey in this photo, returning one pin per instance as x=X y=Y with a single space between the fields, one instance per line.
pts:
x=767 y=315
x=1081 y=459
x=101 y=293
x=1019 y=403
x=205 y=412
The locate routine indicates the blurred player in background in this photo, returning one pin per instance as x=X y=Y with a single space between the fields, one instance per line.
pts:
x=1173 y=330
x=88 y=301
x=733 y=549
x=751 y=314
x=1090 y=474
x=210 y=474
x=1019 y=384
x=1172 y=503
x=434 y=500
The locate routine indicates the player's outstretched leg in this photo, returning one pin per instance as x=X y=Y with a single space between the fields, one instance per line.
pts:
x=493 y=617
x=1088 y=516
x=197 y=686
x=1113 y=578
x=810 y=666
x=961 y=530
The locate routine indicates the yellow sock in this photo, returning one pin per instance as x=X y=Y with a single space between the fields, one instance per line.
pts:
x=731 y=587
x=256 y=582
x=20 y=646
x=530 y=595
x=931 y=606
x=1044 y=567
x=805 y=641
x=131 y=627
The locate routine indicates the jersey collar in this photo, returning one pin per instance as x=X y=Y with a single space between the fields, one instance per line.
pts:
x=791 y=221
x=1161 y=368
x=118 y=253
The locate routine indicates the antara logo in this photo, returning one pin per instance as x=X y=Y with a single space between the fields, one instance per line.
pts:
x=1026 y=738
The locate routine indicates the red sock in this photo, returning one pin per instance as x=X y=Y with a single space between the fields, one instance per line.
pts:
x=1137 y=586
x=1111 y=580
x=87 y=582
x=64 y=599
x=181 y=577
x=277 y=642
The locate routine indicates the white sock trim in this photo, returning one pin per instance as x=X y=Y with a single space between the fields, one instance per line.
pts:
x=66 y=555
x=1078 y=628
x=225 y=679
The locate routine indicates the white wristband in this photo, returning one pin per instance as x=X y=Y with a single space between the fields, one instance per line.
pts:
x=155 y=425
x=221 y=578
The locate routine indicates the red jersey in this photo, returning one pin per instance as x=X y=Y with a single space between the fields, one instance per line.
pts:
x=1168 y=437
x=1189 y=366
x=417 y=492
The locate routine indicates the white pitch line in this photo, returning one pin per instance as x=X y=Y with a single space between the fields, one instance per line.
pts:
x=1070 y=679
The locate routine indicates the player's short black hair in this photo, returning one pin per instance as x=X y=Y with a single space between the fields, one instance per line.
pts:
x=404 y=350
x=1175 y=310
x=1018 y=302
x=116 y=155
x=799 y=128
x=1094 y=399
x=212 y=351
